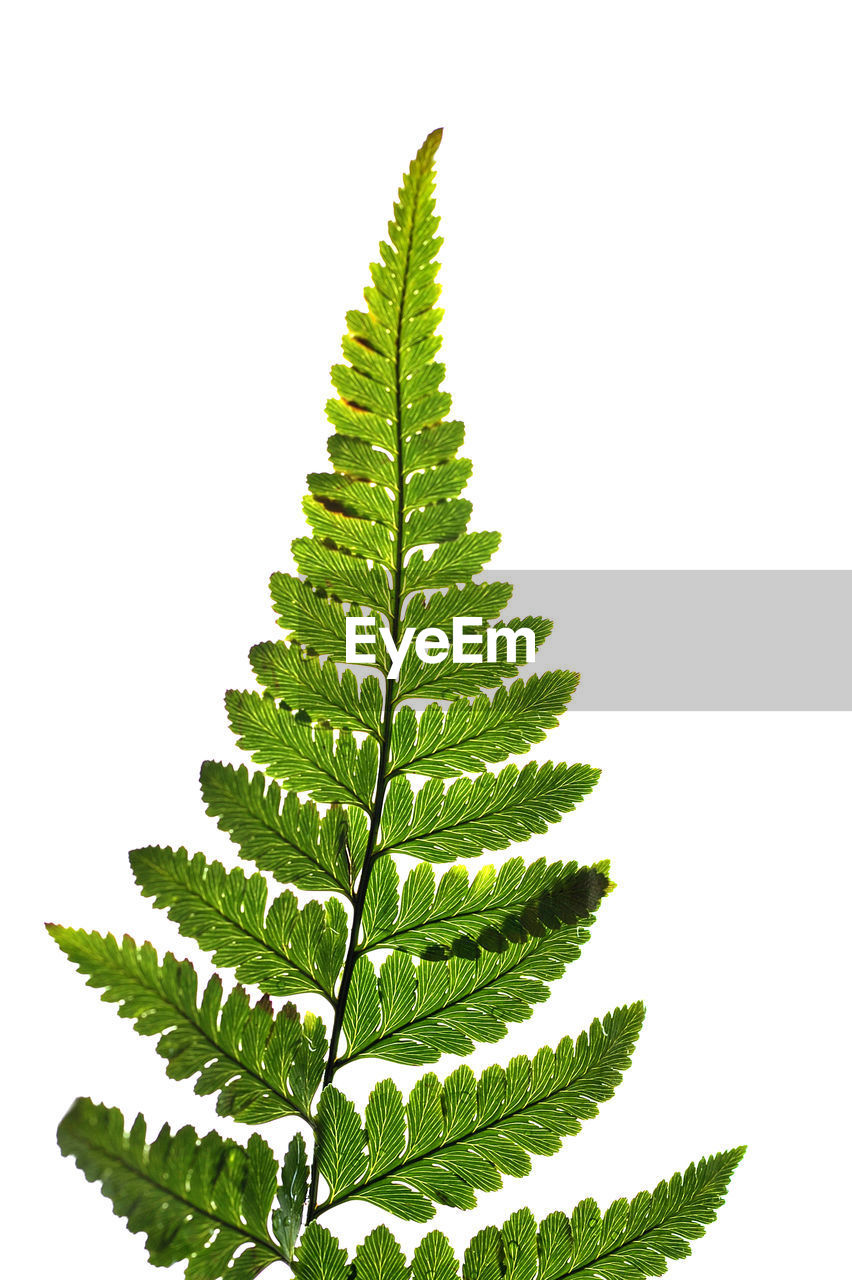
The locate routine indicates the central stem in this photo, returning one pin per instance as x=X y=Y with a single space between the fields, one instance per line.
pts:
x=395 y=623
x=369 y=855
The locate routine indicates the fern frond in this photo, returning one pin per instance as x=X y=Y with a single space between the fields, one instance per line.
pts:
x=318 y=625
x=465 y=956
x=396 y=479
x=477 y=814
x=413 y=1013
x=331 y=768
x=346 y=577
x=441 y=522
x=435 y=446
x=196 y=1199
x=380 y=1257
x=471 y=734
x=342 y=492
x=263 y=1065
x=461 y=918
x=284 y=951
x=485 y=600
x=364 y=538
x=450 y=1141
x=434 y=1259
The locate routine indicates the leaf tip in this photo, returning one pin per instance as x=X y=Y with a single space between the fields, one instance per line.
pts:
x=426 y=155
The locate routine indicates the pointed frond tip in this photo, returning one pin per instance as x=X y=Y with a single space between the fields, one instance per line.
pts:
x=426 y=155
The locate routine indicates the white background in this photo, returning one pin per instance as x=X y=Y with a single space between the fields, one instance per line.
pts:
x=647 y=275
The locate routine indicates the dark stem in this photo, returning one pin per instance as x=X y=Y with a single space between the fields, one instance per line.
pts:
x=382 y=779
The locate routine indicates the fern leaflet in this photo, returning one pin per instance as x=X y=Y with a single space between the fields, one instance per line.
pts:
x=263 y=1065
x=462 y=918
x=288 y=950
x=453 y=1140
x=196 y=1199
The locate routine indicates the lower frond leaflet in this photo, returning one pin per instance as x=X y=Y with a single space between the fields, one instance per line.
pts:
x=205 y=1200
x=450 y=1141
x=630 y=1240
x=263 y=1065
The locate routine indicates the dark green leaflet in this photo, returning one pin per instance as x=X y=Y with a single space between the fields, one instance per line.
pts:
x=630 y=1240
x=285 y=951
x=413 y=1013
x=441 y=823
x=263 y=1065
x=281 y=833
x=455 y=1139
x=460 y=917
x=199 y=1199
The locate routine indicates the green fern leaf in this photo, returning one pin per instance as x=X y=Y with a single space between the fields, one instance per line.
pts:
x=453 y=1140
x=434 y=1259
x=340 y=1144
x=330 y=768
x=485 y=600
x=363 y=538
x=318 y=625
x=496 y=909
x=263 y=1065
x=439 y=484
x=288 y=950
x=196 y=1199
x=343 y=576
x=283 y=835
x=310 y=618
x=472 y=734
x=435 y=446
x=631 y=1239
x=380 y=1257
x=306 y=684
x=319 y=1256
x=441 y=522
x=477 y=814
x=519 y=1247
x=339 y=491
x=450 y=563
x=412 y=1013
x=292 y=1194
